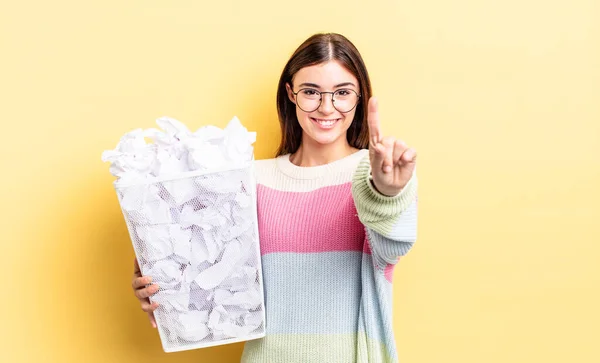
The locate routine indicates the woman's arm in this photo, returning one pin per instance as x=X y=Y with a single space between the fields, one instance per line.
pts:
x=391 y=222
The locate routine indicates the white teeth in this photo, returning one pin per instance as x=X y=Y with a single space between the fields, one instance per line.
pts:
x=326 y=122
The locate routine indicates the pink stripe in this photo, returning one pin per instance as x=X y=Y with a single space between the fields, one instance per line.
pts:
x=329 y=213
x=388 y=272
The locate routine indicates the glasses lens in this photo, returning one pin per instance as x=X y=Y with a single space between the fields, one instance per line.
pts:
x=308 y=99
x=344 y=100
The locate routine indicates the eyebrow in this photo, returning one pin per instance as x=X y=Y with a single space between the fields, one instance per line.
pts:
x=314 y=85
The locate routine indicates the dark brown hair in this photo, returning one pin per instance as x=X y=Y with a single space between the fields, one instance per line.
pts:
x=317 y=49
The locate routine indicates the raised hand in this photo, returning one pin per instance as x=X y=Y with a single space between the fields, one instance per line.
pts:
x=392 y=162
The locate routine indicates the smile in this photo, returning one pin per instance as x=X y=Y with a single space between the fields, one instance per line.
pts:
x=325 y=123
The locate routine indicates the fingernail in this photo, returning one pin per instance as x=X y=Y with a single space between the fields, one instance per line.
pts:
x=148 y=279
x=387 y=168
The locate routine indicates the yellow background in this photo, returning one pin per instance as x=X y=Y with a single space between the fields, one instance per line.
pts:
x=500 y=98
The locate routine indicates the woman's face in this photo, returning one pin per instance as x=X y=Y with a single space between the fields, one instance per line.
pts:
x=325 y=125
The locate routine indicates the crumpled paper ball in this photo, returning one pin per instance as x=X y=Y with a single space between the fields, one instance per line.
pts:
x=175 y=150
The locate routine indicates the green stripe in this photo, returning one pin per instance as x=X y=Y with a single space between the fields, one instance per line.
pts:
x=315 y=348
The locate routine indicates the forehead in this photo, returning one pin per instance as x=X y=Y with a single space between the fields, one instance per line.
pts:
x=325 y=75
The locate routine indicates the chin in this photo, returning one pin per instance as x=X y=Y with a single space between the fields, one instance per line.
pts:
x=326 y=139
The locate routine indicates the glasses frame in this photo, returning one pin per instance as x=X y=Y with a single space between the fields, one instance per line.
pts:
x=332 y=99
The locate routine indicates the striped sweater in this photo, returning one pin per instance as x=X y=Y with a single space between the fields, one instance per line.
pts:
x=329 y=242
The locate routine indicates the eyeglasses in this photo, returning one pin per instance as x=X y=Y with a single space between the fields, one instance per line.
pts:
x=309 y=99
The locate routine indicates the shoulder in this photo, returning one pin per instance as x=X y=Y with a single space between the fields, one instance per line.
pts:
x=262 y=163
x=265 y=170
x=265 y=165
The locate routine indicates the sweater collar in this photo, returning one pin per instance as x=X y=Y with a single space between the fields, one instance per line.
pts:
x=313 y=172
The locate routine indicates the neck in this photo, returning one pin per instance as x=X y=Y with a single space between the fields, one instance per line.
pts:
x=311 y=153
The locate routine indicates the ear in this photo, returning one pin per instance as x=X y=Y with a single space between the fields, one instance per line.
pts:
x=290 y=93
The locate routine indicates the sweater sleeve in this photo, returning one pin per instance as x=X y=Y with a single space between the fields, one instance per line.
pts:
x=390 y=222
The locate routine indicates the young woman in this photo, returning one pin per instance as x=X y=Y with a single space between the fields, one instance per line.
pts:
x=337 y=208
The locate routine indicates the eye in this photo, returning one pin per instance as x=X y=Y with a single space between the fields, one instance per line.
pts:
x=310 y=92
x=343 y=92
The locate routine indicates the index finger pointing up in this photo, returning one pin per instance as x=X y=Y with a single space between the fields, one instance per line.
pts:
x=373 y=122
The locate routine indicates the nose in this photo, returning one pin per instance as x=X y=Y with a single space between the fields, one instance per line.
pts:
x=326 y=106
